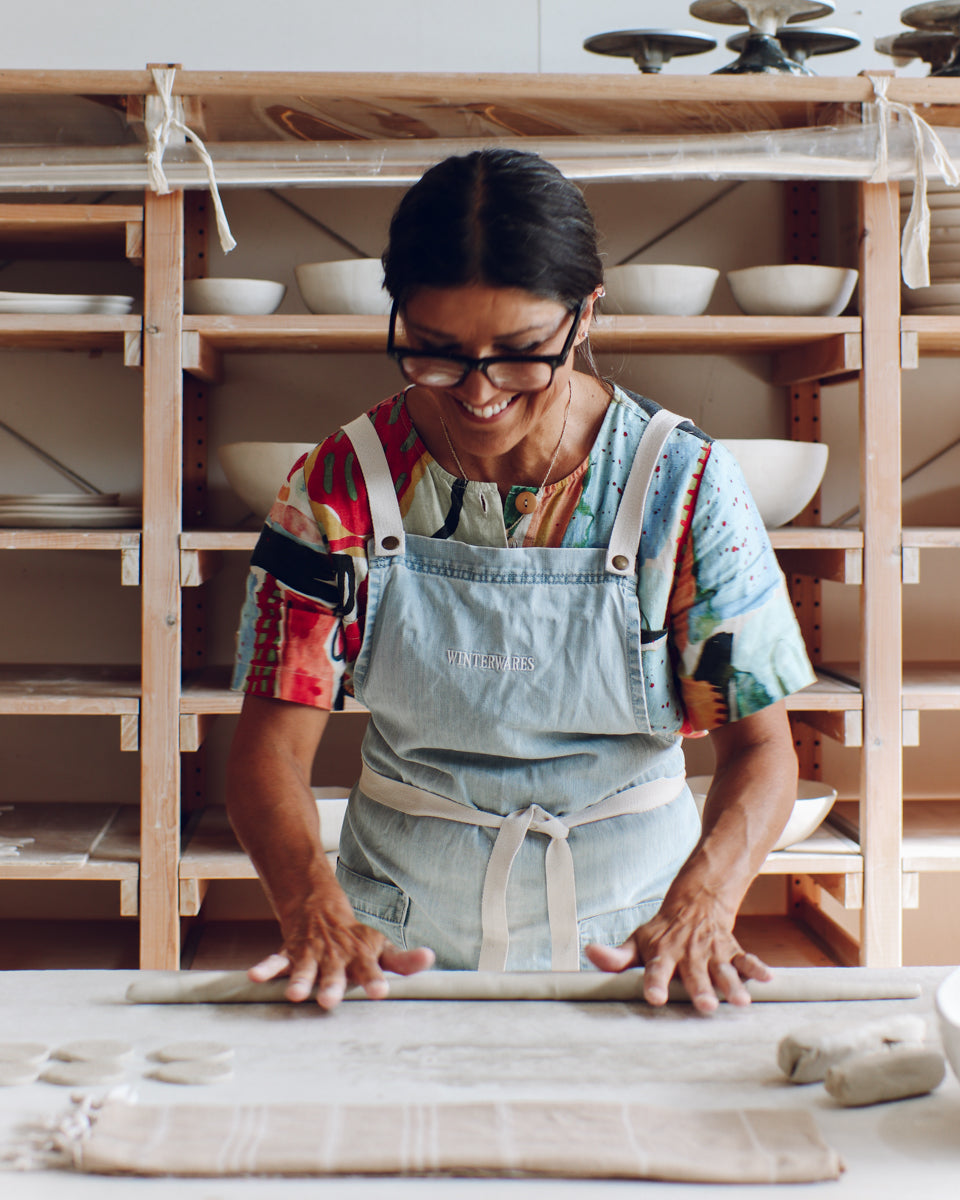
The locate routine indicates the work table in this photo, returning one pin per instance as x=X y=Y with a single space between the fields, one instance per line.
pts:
x=472 y=1050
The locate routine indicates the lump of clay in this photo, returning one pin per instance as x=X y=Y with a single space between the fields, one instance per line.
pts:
x=806 y=1055
x=94 y=1048
x=195 y=1071
x=892 y=1074
x=83 y=1072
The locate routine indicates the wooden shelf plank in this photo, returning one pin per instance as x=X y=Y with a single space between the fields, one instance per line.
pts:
x=827 y=851
x=69 y=539
x=936 y=335
x=931 y=685
x=70 y=841
x=931 y=832
x=789 y=537
x=208 y=691
x=650 y=335
x=55 y=331
x=71 y=231
x=946 y=537
x=828 y=694
x=61 y=690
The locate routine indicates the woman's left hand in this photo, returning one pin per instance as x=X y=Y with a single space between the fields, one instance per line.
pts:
x=693 y=940
x=691 y=937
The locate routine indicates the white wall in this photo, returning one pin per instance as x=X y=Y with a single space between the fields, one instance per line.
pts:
x=382 y=35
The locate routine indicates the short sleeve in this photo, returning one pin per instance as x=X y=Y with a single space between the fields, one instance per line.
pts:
x=737 y=642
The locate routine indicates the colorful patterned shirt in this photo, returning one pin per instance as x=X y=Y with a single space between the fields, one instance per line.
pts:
x=708 y=574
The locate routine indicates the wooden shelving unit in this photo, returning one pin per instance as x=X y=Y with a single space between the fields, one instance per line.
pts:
x=274 y=129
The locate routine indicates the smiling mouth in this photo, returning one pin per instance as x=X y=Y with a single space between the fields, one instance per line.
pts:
x=489 y=410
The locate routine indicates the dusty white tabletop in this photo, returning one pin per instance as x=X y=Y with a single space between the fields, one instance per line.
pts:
x=472 y=1050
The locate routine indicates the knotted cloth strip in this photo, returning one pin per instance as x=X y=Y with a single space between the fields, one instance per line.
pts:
x=160 y=123
x=915 y=242
x=564 y=1139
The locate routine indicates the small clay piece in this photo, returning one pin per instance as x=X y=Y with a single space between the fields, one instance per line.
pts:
x=82 y=1072
x=892 y=1074
x=193 y=1052
x=198 y=1071
x=14 y=1073
x=809 y=1052
x=23 y=1052
x=94 y=1049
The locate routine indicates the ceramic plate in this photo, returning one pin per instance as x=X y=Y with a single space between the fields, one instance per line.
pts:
x=936 y=310
x=67 y=517
x=936 y=293
x=82 y=499
x=50 y=302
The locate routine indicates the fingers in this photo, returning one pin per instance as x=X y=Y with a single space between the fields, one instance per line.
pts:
x=657 y=973
x=407 y=962
x=612 y=958
x=269 y=968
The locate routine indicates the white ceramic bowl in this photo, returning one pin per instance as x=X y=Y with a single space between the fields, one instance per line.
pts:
x=947 y=1003
x=814 y=801
x=241 y=297
x=353 y=286
x=256 y=470
x=658 y=288
x=783 y=476
x=793 y=290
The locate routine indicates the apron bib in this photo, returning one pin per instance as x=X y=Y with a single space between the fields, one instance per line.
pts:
x=518 y=796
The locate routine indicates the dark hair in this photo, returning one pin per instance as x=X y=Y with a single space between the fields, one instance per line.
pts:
x=500 y=217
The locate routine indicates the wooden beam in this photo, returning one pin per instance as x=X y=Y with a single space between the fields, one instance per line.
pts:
x=192 y=895
x=130 y=563
x=910 y=728
x=194 y=728
x=845 y=727
x=130 y=732
x=200 y=357
x=847 y=890
x=909 y=350
x=839 y=566
x=132 y=348
x=881 y=625
x=910 y=565
x=162 y=474
x=841 y=355
x=197 y=566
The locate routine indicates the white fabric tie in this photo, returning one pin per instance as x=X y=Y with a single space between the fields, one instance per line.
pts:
x=512 y=830
x=160 y=122
x=915 y=243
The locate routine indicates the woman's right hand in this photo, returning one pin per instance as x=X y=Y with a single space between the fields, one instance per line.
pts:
x=274 y=815
x=325 y=945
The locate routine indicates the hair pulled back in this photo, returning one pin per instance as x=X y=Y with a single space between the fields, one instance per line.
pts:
x=497 y=217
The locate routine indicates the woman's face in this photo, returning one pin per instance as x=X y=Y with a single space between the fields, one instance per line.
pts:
x=479 y=321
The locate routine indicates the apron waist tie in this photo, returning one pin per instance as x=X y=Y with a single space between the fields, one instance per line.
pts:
x=512 y=830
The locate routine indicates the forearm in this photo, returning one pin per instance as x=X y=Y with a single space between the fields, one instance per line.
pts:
x=750 y=800
x=274 y=814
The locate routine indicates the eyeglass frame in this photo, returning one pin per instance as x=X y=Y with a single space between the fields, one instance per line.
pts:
x=553 y=361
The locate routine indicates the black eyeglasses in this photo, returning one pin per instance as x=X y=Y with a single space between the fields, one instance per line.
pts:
x=507 y=372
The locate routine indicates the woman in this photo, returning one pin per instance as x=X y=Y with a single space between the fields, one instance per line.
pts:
x=536 y=582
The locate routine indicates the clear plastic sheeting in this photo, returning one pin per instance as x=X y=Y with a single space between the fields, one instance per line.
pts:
x=847 y=152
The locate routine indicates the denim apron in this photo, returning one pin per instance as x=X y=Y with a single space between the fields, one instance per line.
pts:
x=517 y=801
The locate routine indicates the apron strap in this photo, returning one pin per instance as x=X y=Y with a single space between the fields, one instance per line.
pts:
x=624 y=544
x=512 y=830
x=388 y=536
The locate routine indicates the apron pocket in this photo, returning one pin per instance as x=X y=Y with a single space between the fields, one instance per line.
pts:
x=383 y=906
x=612 y=928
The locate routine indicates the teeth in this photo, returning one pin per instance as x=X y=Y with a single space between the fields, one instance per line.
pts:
x=491 y=410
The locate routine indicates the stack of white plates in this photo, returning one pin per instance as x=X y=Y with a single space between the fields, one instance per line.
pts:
x=52 y=510
x=56 y=302
x=942 y=297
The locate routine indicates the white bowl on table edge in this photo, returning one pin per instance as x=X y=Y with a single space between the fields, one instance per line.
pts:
x=256 y=471
x=331 y=807
x=793 y=289
x=661 y=289
x=352 y=286
x=813 y=803
x=947 y=1004
x=232 y=297
x=782 y=475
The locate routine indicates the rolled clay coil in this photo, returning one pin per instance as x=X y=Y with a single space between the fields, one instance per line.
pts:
x=790 y=984
x=883 y=1075
x=806 y=1054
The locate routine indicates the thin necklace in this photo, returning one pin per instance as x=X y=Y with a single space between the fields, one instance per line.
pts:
x=526 y=502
